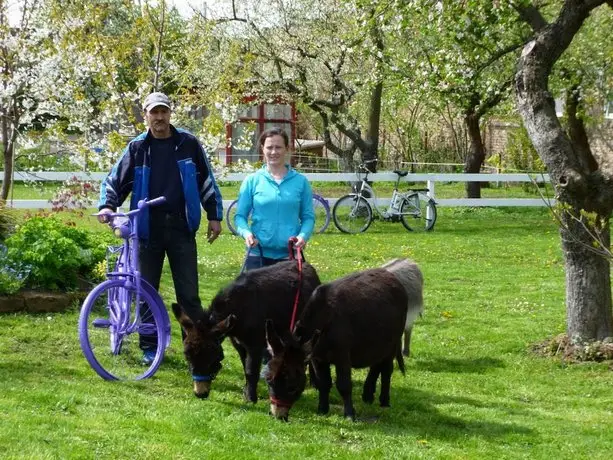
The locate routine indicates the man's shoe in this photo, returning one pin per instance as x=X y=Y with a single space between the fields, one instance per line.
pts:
x=148 y=357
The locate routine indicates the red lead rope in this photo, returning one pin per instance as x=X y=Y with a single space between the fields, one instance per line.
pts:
x=298 y=257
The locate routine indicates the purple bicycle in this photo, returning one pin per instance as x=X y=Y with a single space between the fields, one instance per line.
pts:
x=124 y=316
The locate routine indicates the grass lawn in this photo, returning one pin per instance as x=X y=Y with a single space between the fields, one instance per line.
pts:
x=494 y=286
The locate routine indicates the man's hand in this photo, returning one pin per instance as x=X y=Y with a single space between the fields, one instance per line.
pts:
x=213 y=230
x=103 y=215
x=300 y=243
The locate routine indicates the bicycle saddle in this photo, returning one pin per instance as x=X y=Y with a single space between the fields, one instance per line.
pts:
x=401 y=173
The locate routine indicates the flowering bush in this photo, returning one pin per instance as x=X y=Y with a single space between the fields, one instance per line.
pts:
x=75 y=194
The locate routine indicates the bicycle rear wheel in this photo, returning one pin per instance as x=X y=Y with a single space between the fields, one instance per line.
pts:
x=322 y=213
x=114 y=331
x=352 y=214
x=418 y=213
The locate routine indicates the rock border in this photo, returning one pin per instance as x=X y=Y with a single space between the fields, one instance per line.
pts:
x=40 y=301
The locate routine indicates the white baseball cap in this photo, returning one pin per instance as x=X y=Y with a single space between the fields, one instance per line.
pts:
x=155 y=99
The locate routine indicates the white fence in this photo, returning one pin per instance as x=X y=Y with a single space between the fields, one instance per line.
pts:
x=430 y=178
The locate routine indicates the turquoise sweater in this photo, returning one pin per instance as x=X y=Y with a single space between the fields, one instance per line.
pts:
x=278 y=211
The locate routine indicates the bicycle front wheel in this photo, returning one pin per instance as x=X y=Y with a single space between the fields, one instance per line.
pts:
x=322 y=213
x=418 y=213
x=352 y=214
x=230 y=217
x=115 y=332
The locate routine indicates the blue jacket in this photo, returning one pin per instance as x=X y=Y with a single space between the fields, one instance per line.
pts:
x=278 y=211
x=131 y=175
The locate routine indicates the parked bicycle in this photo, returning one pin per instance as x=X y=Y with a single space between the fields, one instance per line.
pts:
x=124 y=315
x=353 y=213
x=321 y=206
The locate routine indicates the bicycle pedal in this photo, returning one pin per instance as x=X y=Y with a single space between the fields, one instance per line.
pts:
x=101 y=323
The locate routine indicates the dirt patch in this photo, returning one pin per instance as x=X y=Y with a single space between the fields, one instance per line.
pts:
x=563 y=347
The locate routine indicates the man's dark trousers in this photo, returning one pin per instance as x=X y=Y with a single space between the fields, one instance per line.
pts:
x=169 y=235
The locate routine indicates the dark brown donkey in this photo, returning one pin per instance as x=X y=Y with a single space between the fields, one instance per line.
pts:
x=240 y=311
x=354 y=322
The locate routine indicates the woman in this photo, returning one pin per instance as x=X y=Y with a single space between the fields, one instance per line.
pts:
x=280 y=202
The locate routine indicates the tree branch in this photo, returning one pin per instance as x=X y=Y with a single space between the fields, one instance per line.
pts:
x=577 y=132
x=337 y=150
x=531 y=15
x=500 y=53
x=494 y=99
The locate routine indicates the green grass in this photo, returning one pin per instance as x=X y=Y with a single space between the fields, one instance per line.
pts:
x=494 y=285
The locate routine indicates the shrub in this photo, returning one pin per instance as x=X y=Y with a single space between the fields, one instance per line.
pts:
x=521 y=155
x=12 y=274
x=60 y=256
x=7 y=222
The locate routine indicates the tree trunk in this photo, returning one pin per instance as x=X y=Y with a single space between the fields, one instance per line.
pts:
x=588 y=283
x=476 y=154
x=580 y=183
x=374 y=121
x=8 y=149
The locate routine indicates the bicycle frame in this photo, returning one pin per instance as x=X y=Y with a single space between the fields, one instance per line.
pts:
x=393 y=208
x=126 y=269
x=395 y=204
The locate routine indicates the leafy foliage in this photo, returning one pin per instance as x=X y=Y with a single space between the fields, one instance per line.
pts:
x=59 y=255
x=7 y=222
x=13 y=273
x=520 y=153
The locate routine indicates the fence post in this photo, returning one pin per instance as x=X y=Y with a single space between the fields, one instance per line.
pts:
x=430 y=185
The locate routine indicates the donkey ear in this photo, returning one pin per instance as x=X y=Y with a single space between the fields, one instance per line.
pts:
x=186 y=323
x=275 y=344
x=224 y=326
x=310 y=345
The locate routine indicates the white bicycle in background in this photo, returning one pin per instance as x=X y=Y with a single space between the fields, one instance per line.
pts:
x=353 y=213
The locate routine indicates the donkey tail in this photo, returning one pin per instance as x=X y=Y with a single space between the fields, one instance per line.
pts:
x=400 y=359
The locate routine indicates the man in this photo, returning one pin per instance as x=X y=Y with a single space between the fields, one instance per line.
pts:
x=170 y=162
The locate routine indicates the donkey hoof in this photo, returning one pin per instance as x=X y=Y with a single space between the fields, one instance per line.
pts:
x=368 y=398
x=249 y=396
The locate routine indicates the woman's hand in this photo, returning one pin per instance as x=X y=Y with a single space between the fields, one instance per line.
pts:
x=300 y=243
x=251 y=240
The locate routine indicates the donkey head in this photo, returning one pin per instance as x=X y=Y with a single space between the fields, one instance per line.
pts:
x=286 y=374
x=202 y=347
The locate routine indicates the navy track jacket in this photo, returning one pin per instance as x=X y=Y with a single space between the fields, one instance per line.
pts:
x=131 y=175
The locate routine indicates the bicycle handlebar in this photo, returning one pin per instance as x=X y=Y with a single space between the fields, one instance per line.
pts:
x=120 y=228
x=155 y=202
x=363 y=164
x=140 y=205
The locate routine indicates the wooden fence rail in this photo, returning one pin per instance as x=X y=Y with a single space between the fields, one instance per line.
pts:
x=430 y=178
